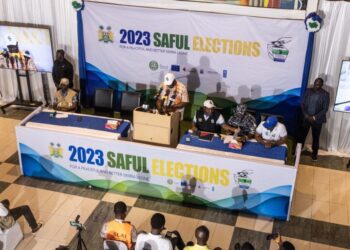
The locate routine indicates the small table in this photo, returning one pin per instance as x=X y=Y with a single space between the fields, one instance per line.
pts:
x=251 y=150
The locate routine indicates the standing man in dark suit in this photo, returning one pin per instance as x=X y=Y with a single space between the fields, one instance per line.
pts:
x=314 y=108
x=62 y=69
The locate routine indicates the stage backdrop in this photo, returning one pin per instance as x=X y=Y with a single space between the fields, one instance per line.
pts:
x=236 y=58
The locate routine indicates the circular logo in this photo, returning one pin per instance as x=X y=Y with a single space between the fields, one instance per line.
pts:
x=153 y=65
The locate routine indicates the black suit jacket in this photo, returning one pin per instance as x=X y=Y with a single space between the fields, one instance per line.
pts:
x=321 y=105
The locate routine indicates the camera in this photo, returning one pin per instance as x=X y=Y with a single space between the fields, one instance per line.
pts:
x=77 y=224
x=168 y=234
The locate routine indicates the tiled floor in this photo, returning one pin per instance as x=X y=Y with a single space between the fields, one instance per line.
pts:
x=320 y=211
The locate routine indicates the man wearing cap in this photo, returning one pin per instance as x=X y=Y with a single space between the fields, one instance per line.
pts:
x=314 y=107
x=271 y=132
x=173 y=96
x=9 y=216
x=62 y=69
x=208 y=118
x=65 y=98
x=242 y=122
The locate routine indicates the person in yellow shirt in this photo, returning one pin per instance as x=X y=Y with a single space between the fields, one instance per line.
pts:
x=202 y=236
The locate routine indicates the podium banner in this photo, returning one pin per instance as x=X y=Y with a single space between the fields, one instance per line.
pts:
x=165 y=173
x=238 y=58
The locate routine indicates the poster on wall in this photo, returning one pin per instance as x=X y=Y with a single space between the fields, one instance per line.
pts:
x=236 y=58
x=342 y=99
x=25 y=48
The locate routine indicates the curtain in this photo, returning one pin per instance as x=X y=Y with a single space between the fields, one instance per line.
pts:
x=332 y=44
x=61 y=17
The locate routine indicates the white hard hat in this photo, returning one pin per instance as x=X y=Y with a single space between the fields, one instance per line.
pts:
x=64 y=81
x=209 y=104
x=169 y=78
x=10 y=39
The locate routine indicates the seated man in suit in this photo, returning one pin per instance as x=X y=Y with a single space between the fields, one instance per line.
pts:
x=208 y=119
x=65 y=98
x=271 y=132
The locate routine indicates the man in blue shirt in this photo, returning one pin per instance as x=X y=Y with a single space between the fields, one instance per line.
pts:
x=314 y=108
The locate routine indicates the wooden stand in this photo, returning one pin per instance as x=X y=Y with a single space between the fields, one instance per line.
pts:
x=155 y=128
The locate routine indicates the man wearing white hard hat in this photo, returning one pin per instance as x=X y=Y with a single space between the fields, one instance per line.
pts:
x=208 y=118
x=173 y=96
x=65 y=98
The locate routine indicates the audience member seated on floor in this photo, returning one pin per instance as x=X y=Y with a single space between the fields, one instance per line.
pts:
x=245 y=246
x=208 y=119
x=241 y=122
x=286 y=245
x=155 y=240
x=65 y=98
x=271 y=132
x=202 y=237
x=9 y=216
x=119 y=229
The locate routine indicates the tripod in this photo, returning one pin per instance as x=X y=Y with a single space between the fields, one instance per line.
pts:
x=80 y=228
x=81 y=242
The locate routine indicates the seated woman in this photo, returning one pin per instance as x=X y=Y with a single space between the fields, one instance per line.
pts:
x=65 y=98
x=271 y=132
x=208 y=119
x=241 y=122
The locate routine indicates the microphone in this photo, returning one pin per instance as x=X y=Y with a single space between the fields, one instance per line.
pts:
x=77 y=218
x=158 y=93
x=171 y=100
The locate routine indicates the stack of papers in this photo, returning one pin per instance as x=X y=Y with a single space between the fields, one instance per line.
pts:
x=232 y=142
x=112 y=124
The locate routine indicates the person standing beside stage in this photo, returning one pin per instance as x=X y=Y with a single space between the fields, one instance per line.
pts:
x=62 y=69
x=314 y=108
x=173 y=96
x=208 y=118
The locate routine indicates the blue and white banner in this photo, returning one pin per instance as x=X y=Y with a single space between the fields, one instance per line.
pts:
x=237 y=58
x=166 y=173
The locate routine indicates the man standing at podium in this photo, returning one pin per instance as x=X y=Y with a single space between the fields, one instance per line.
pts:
x=172 y=96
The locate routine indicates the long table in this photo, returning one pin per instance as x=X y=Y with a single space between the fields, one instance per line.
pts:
x=61 y=154
x=77 y=124
x=251 y=150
